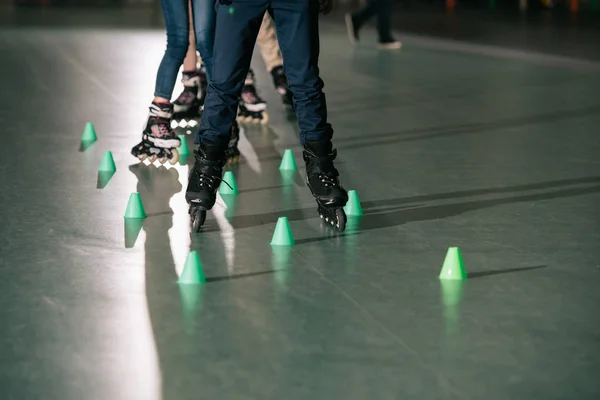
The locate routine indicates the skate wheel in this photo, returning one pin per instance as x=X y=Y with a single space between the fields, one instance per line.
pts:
x=198 y=218
x=162 y=160
x=142 y=157
x=152 y=158
x=265 y=119
x=174 y=158
x=340 y=217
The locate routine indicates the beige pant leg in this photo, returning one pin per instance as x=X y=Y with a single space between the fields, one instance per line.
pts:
x=268 y=44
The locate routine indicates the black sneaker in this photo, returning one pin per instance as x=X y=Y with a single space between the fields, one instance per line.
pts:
x=389 y=44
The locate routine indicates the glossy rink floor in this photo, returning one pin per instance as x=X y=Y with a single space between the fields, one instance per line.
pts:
x=447 y=145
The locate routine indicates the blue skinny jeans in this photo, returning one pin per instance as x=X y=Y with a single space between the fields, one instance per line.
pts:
x=176 y=14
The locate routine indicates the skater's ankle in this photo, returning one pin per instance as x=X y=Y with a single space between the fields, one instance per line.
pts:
x=161 y=100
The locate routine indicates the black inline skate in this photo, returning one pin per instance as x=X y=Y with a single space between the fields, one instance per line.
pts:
x=281 y=85
x=158 y=139
x=205 y=177
x=323 y=181
x=189 y=103
x=233 y=153
x=252 y=108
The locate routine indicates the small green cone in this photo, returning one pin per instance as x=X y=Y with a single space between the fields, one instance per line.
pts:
x=453 y=267
x=183 y=148
x=135 y=208
x=89 y=133
x=283 y=233
x=288 y=162
x=228 y=185
x=108 y=163
x=192 y=271
x=353 y=207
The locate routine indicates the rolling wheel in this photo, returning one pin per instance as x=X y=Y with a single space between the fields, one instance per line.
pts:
x=265 y=118
x=152 y=158
x=175 y=157
x=142 y=156
x=340 y=222
x=198 y=218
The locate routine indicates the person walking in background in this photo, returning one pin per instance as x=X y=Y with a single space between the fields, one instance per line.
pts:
x=383 y=8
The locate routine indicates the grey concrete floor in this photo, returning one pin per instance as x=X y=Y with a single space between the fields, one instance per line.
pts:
x=491 y=152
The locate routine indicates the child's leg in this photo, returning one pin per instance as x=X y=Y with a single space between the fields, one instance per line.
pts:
x=268 y=45
x=297 y=24
x=176 y=20
x=235 y=36
x=271 y=54
x=188 y=104
x=204 y=28
x=158 y=139
x=189 y=64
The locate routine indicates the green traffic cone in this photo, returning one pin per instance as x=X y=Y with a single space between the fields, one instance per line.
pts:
x=89 y=133
x=135 y=207
x=288 y=162
x=192 y=271
x=283 y=233
x=453 y=267
x=108 y=163
x=353 y=207
x=183 y=147
x=228 y=185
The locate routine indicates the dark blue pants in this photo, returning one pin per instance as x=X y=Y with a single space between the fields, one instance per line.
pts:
x=237 y=25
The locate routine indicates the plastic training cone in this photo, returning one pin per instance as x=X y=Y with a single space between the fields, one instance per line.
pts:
x=228 y=186
x=108 y=163
x=135 y=208
x=183 y=147
x=453 y=268
x=283 y=233
x=288 y=162
x=89 y=133
x=192 y=270
x=353 y=207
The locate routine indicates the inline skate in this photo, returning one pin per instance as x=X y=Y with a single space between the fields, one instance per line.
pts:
x=158 y=139
x=323 y=181
x=189 y=103
x=233 y=153
x=252 y=108
x=205 y=177
x=281 y=85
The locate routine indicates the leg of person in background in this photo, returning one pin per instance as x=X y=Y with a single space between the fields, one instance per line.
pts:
x=297 y=24
x=188 y=104
x=383 y=10
x=271 y=54
x=158 y=139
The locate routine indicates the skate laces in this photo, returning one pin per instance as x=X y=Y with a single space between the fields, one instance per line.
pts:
x=161 y=127
x=205 y=179
x=327 y=180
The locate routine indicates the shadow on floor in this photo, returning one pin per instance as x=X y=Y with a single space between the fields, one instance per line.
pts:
x=411 y=135
x=399 y=213
x=483 y=274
